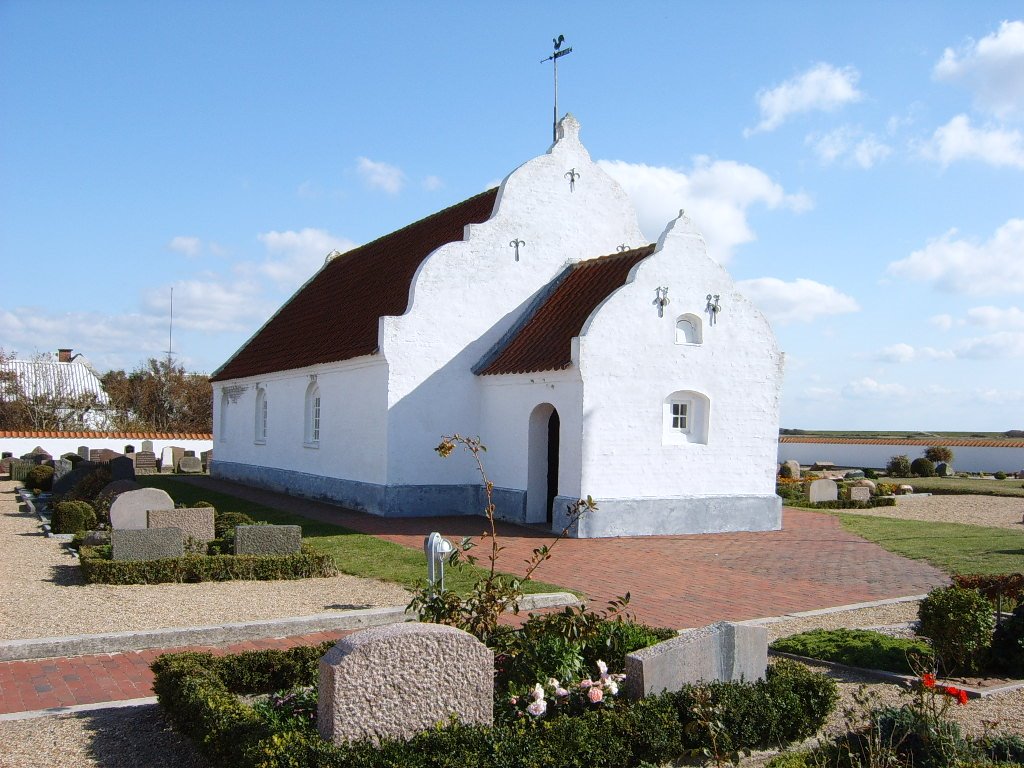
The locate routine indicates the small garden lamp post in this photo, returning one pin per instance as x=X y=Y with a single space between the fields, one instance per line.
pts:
x=437 y=549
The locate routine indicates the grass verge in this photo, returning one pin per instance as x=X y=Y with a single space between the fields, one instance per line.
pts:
x=358 y=554
x=958 y=485
x=951 y=547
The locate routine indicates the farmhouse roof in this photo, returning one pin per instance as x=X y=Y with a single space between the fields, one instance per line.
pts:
x=51 y=378
x=542 y=340
x=335 y=315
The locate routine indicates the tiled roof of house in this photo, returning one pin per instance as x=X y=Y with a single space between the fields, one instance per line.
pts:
x=87 y=435
x=50 y=378
x=335 y=315
x=542 y=341
x=953 y=443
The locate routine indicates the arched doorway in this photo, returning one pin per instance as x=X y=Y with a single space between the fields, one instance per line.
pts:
x=542 y=480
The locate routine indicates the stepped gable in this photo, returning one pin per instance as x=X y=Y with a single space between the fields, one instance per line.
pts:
x=543 y=339
x=335 y=315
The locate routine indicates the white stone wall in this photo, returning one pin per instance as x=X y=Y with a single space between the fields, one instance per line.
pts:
x=58 y=446
x=630 y=363
x=467 y=294
x=965 y=458
x=352 y=421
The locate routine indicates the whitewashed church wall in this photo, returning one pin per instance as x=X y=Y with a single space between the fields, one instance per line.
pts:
x=965 y=458
x=631 y=363
x=467 y=294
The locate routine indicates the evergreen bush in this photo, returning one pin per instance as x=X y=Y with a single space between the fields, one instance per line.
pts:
x=959 y=623
x=40 y=477
x=898 y=466
x=89 y=487
x=922 y=468
x=72 y=517
x=223 y=522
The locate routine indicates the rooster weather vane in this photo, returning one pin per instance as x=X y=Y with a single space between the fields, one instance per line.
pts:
x=554 y=57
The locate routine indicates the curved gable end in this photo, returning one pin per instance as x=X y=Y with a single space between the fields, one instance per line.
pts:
x=543 y=340
x=335 y=315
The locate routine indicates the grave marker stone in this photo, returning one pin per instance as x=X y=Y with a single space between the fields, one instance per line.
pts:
x=395 y=681
x=206 y=456
x=145 y=462
x=190 y=465
x=146 y=544
x=129 y=449
x=70 y=479
x=722 y=651
x=268 y=539
x=147 y=445
x=794 y=468
x=60 y=468
x=166 y=460
x=823 y=490
x=196 y=522
x=130 y=508
x=860 y=493
x=943 y=469
x=865 y=483
x=83 y=451
x=122 y=468
x=189 y=453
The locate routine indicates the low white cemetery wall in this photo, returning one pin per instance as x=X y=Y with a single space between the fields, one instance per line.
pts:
x=57 y=444
x=975 y=458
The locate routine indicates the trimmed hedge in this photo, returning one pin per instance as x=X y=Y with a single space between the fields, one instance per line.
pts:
x=39 y=477
x=72 y=517
x=98 y=568
x=856 y=648
x=199 y=694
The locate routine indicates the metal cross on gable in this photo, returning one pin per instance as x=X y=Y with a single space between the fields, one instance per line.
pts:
x=515 y=244
x=553 y=58
x=572 y=174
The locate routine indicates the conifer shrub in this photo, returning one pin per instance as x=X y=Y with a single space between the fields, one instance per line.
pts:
x=89 y=487
x=72 y=517
x=223 y=522
x=898 y=466
x=40 y=478
x=922 y=468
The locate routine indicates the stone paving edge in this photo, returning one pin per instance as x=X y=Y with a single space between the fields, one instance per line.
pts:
x=76 y=708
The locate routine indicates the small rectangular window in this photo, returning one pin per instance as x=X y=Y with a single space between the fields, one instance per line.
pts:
x=680 y=416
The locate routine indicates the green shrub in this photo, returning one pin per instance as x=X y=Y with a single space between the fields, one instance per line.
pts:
x=922 y=468
x=898 y=466
x=72 y=517
x=870 y=474
x=786 y=471
x=74 y=458
x=98 y=568
x=223 y=522
x=999 y=475
x=921 y=740
x=939 y=454
x=1008 y=644
x=40 y=477
x=959 y=623
x=857 y=648
x=89 y=487
x=197 y=692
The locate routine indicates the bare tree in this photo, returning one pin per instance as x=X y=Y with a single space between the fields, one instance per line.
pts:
x=160 y=396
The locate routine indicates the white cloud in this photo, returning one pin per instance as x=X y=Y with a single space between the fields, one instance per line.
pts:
x=995 y=346
x=905 y=353
x=431 y=183
x=295 y=256
x=959 y=140
x=190 y=246
x=944 y=322
x=210 y=305
x=994 y=317
x=715 y=194
x=956 y=265
x=799 y=301
x=867 y=388
x=992 y=68
x=382 y=176
x=850 y=145
x=821 y=88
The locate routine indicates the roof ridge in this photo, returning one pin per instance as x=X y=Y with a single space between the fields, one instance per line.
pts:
x=627 y=254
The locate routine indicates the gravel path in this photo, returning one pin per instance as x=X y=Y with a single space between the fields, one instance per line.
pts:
x=44 y=594
x=990 y=511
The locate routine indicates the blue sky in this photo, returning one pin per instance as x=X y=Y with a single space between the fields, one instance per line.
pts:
x=858 y=167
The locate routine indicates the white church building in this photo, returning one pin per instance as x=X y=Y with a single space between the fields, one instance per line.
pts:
x=537 y=317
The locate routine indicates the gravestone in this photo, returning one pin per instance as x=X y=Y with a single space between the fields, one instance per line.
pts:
x=943 y=469
x=145 y=462
x=395 y=681
x=206 y=456
x=189 y=453
x=116 y=488
x=190 y=465
x=99 y=455
x=860 y=493
x=176 y=453
x=37 y=455
x=129 y=449
x=122 y=468
x=146 y=544
x=268 y=539
x=905 y=489
x=722 y=651
x=6 y=455
x=60 y=468
x=129 y=508
x=83 y=451
x=196 y=522
x=794 y=468
x=823 y=490
x=865 y=483
x=166 y=460
x=70 y=479
x=147 y=445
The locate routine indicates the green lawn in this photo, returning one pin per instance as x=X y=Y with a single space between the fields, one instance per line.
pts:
x=1008 y=487
x=356 y=553
x=952 y=547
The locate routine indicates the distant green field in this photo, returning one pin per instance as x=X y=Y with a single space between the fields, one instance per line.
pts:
x=358 y=554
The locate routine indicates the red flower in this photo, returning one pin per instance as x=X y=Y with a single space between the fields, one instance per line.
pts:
x=957 y=693
x=928 y=680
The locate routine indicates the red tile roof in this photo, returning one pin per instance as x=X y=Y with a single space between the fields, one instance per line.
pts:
x=953 y=443
x=335 y=315
x=86 y=435
x=543 y=339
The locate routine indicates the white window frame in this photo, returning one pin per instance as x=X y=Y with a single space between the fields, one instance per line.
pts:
x=685 y=416
x=691 y=427
x=695 y=324
x=313 y=416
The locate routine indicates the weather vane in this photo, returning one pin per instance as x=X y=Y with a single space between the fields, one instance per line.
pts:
x=554 y=57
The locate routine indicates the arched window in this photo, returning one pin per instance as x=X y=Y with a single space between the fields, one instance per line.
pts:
x=685 y=418
x=222 y=425
x=688 y=330
x=312 y=436
x=261 y=415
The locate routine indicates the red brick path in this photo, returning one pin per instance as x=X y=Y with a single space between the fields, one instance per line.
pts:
x=675 y=581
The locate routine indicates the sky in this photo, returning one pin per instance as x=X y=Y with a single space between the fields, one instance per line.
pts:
x=857 y=167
